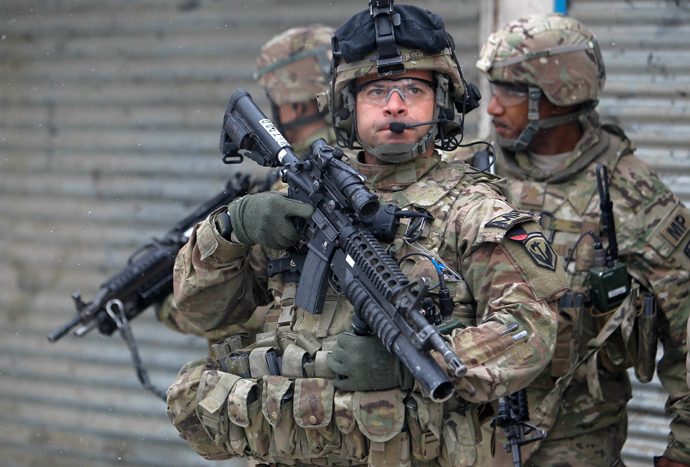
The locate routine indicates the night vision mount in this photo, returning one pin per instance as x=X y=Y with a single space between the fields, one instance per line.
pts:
x=389 y=60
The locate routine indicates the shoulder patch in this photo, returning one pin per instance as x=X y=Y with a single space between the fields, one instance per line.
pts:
x=676 y=226
x=536 y=246
x=509 y=219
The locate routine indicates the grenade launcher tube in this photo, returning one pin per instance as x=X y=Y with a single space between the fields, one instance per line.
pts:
x=423 y=367
x=376 y=287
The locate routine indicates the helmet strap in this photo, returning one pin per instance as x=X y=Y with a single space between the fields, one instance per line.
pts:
x=303 y=121
x=534 y=94
x=397 y=153
x=403 y=152
x=535 y=123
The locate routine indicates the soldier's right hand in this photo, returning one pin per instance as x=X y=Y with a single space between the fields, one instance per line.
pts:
x=264 y=219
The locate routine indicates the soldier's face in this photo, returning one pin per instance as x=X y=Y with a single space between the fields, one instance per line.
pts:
x=509 y=111
x=374 y=119
x=288 y=113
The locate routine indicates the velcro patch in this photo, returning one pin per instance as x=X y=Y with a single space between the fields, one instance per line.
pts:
x=536 y=246
x=509 y=219
x=677 y=226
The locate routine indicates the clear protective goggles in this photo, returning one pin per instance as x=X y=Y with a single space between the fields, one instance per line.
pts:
x=508 y=95
x=411 y=90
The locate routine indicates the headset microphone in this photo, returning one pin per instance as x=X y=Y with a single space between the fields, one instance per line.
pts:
x=399 y=127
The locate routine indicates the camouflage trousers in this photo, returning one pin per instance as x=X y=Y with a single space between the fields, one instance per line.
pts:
x=585 y=432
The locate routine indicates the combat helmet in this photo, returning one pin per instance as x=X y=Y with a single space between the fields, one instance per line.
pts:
x=293 y=68
x=391 y=39
x=552 y=55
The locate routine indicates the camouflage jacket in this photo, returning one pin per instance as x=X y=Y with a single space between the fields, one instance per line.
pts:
x=497 y=281
x=168 y=313
x=651 y=226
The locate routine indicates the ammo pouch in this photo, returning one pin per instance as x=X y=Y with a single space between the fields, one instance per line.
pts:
x=221 y=406
x=647 y=337
x=633 y=343
x=231 y=355
x=629 y=333
x=280 y=420
x=625 y=337
x=625 y=334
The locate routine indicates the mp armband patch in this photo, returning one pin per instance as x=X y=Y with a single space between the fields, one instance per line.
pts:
x=677 y=225
x=536 y=247
x=509 y=219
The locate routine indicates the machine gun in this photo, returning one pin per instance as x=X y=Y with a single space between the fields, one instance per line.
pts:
x=146 y=280
x=512 y=416
x=341 y=250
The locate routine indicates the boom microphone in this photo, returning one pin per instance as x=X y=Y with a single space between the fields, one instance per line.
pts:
x=399 y=127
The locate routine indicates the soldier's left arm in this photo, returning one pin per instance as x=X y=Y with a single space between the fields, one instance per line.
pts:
x=514 y=282
x=653 y=229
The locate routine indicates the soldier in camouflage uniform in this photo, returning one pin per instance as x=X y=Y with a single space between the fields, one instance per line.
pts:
x=546 y=74
x=293 y=68
x=503 y=278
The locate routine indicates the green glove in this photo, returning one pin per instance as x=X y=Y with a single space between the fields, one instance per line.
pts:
x=264 y=219
x=367 y=365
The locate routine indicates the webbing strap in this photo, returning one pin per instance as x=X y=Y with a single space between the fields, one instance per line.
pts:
x=563 y=49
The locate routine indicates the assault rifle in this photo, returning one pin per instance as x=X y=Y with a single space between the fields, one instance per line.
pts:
x=341 y=250
x=146 y=280
x=512 y=416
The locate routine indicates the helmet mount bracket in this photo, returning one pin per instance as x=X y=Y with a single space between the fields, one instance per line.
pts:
x=389 y=60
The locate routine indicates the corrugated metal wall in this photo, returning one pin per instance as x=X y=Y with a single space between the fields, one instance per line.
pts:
x=111 y=113
x=645 y=48
x=111 y=116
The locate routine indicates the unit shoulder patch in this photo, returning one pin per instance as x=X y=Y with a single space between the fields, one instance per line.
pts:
x=509 y=219
x=677 y=225
x=536 y=247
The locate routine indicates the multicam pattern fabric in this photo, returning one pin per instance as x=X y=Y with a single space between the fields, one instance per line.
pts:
x=169 y=315
x=538 y=50
x=182 y=413
x=654 y=244
x=216 y=282
x=294 y=66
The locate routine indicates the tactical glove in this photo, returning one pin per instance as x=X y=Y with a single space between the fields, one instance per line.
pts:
x=366 y=365
x=264 y=219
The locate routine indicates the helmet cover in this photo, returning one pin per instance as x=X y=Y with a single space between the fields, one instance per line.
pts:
x=553 y=52
x=294 y=66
